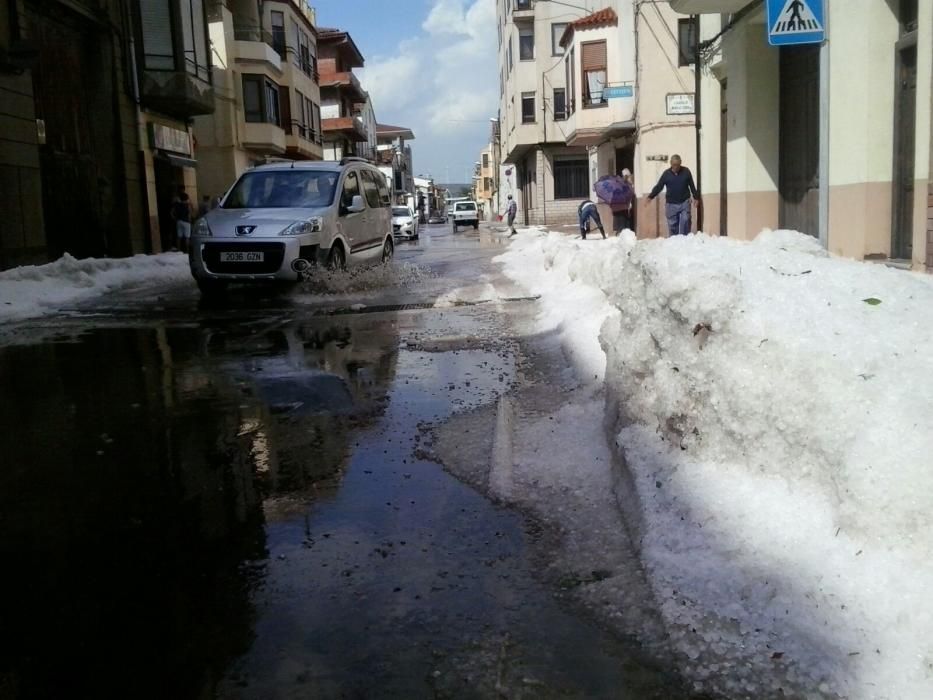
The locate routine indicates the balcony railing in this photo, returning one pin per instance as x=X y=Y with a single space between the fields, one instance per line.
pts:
x=252 y=33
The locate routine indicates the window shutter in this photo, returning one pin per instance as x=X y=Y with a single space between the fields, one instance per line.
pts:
x=593 y=56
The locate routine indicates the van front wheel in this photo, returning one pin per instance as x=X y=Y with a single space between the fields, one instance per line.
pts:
x=337 y=260
x=388 y=250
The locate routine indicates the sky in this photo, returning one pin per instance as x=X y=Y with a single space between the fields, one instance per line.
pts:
x=431 y=66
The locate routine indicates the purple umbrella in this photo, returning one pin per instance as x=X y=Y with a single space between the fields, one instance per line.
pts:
x=612 y=189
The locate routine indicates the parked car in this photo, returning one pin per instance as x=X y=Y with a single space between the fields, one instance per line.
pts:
x=436 y=218
x=404 y=223
x=465 y=214
x=281 y=221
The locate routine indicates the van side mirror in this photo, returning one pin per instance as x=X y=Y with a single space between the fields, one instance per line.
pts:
x=357 y=205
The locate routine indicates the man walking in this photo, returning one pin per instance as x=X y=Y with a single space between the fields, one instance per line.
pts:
x=679 y=183
x=511 y=210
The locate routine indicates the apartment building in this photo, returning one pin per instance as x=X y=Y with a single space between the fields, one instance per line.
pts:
x=367 y=114
x=834 y=141
x=94 y=128
x=586 y=90
x=393 y=155
x=267 y=98
x=342 y=97
x=485 y=182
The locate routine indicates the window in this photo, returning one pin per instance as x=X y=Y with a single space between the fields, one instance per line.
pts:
x=351 y=188
x=526 y=44
x=485 y=160
x=301 y=114
x=283 y=188
x=162 y=21
x=686 y=42
x=510 y=54
x=528 y=107
x=319 y=129
x=571 y=180
x=384 y=194
x=593 y=63
x=278 y=33
x=523 y=4
x=907 y=15
x=557 y=31
x=571 y=81
x=487 y=184
x=371 y=189
x=560 y=104
x=261 y=100
x=194 y=39
x=500 y=35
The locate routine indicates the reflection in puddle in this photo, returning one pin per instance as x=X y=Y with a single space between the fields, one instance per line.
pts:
x=237 y=510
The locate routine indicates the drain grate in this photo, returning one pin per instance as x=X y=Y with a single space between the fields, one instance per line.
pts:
x=418 y=306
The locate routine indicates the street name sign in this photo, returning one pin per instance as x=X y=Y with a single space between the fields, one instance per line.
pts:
x=793 y=22
x=618 y=91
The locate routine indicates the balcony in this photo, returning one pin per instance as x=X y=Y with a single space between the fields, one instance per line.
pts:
x=523 y=9
x=350 y=127
x=261 y=136
x=176 y=93
x=343 y=81
x=300 y=144
x=253 y=45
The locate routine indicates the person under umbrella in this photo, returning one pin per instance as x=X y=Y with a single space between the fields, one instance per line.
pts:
x=618 y=194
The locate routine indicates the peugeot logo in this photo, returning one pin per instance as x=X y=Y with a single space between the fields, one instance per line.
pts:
x=244 y=230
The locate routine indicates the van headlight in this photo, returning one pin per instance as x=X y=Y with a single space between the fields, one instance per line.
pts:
x=201 y=228
x=302 y=228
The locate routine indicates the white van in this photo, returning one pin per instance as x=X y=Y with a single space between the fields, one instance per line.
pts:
x=284 y=220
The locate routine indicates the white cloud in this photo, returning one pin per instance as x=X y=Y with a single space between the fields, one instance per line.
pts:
x=442 y=83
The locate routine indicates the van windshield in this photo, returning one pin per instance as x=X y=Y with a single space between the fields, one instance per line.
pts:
x=283 y=189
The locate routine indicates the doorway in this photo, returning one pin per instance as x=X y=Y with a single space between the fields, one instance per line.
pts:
x=905 y=128
x=798 y=180
x=168 y=178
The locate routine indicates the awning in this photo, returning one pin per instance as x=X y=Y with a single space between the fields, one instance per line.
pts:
x=177 y=160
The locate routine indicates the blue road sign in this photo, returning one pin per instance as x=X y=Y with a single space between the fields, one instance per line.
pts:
x=618 y=91
x=793 y=22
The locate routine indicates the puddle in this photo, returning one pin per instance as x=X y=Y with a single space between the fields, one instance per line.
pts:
x=236 y=509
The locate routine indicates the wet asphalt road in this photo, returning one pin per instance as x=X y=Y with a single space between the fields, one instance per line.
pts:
x=237 y=501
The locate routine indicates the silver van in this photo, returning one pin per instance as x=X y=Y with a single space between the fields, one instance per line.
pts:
x=280 y=222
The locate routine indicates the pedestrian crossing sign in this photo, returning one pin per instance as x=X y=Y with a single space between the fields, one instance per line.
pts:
x=793 y=22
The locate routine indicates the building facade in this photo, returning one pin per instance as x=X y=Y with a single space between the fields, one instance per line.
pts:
x=90 y=162
x=853 y=117
x=267 y=98
x=342 y=97
x=585 y=92
x=393 y=155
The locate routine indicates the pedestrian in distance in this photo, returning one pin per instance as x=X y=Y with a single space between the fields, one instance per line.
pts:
x=587 y=212
x=181 y=213
x=680 y=187
x=629 y=213
x=511 y=209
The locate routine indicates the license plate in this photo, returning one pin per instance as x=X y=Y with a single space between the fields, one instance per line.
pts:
x=241 y=256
